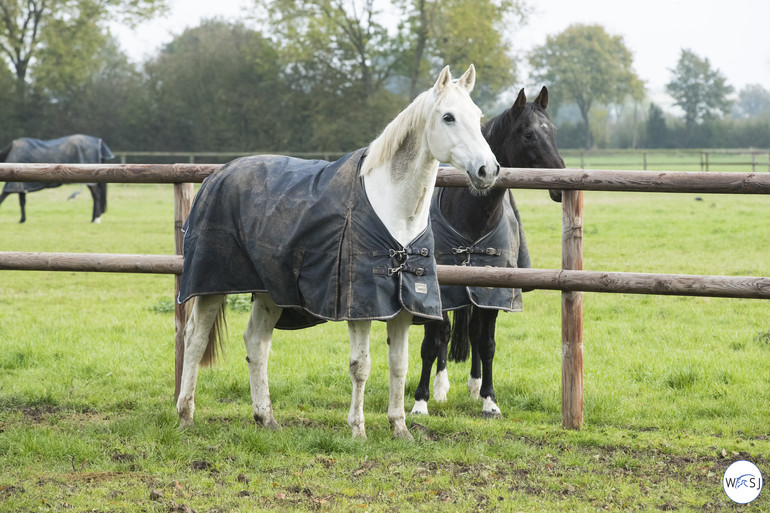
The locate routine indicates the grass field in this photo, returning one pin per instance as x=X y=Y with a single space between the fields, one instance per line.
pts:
x=670 y=160
x=675 y=388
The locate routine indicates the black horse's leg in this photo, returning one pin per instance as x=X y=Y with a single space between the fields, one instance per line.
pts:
x=434 y=345
x=441 y=383
x=23 y=205
x=474 y=334
x=483 y=344
x=482 y=335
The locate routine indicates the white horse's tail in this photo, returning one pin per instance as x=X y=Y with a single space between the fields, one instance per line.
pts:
x=217 y=332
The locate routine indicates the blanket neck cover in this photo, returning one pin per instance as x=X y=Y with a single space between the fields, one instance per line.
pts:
x=504 y=246
x=304 y=232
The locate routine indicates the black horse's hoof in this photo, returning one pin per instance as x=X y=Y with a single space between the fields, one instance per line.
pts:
x=491 y=415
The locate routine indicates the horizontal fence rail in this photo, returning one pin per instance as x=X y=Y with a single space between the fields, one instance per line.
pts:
x=608 y=282
x=107 y=173
x=746 y=287
x=515 y=178
x=91 y=262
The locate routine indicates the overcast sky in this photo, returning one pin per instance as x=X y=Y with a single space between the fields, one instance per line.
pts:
x=732 y=35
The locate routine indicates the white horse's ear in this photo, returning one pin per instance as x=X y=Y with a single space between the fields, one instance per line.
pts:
x=468 y=80
x=444 y=78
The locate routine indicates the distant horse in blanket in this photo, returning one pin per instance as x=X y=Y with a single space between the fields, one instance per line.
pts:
x=480 y=230
x=71 y=149
x=344 y=241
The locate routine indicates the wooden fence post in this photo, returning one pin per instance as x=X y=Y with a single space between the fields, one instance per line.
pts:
x=572 y=313
x=183 y=196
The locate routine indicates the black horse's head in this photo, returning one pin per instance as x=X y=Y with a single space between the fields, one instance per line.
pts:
x=524 y=136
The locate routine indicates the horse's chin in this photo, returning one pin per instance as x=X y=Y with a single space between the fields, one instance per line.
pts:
x=555 y=195
x=479 y=190
x=481 y=185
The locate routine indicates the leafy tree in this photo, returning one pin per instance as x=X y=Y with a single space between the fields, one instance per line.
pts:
x=360 y=47
x=337 y=58
x=752 y=101
x=29 y=27
x=113 y=101
x=698 y=89
x=8 y=101
x=460 y=32
x=588 y=66
x=324 y=39
x=54 y=40
x=657 y=131
x=217 y=86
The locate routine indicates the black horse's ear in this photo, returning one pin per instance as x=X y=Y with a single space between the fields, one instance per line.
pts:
x=521 y=101
x=542 y=98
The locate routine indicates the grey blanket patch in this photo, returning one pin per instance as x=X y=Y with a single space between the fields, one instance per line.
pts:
x=72 y=149
x=305 y=233
x=504 y=246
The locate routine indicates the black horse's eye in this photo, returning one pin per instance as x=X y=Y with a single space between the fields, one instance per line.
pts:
x=449 y=118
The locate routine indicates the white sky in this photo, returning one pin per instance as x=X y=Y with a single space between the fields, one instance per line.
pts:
x=732 y=35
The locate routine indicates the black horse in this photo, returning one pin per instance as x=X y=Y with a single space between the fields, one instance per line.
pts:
x=473 y=229
x=71 y=149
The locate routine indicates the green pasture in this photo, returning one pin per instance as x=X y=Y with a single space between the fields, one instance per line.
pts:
x=669 y=160
x=676 y=388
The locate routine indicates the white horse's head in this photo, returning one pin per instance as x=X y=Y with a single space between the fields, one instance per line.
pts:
x=453 y=129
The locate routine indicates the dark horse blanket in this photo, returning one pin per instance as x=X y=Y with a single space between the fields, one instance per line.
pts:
x=72 y=149
x=305 y=233
x=504 y=246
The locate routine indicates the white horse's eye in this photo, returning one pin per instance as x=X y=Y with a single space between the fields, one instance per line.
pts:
x=449 y=118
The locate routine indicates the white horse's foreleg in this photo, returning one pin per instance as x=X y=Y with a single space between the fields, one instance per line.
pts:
x=398 y=363
x=360 y=366
x=258 y=339
x=203 y=314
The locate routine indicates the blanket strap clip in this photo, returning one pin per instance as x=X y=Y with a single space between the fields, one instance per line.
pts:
x=468 y=251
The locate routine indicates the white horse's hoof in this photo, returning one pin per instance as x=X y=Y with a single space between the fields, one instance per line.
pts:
x=490 y=410
x=359 y=431
x=420 y=408
x=185 y=410
x=402 y=433
x=441 y=386
x=268 y=422
x=398 y=425
x=474 y=387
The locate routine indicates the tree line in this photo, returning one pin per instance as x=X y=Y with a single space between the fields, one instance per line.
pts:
x=328 y=75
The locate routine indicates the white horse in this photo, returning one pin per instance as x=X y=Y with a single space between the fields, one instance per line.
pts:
x=399 y=173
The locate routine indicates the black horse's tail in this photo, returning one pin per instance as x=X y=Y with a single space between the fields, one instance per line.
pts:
x=460 y=342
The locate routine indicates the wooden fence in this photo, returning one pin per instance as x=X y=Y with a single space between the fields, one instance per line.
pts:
x=571 y=279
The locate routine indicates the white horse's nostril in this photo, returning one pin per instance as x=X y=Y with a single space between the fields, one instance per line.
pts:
x=483 y=172
x=497 y=170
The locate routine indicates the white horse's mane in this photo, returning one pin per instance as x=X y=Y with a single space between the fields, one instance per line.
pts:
x=408 y=123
